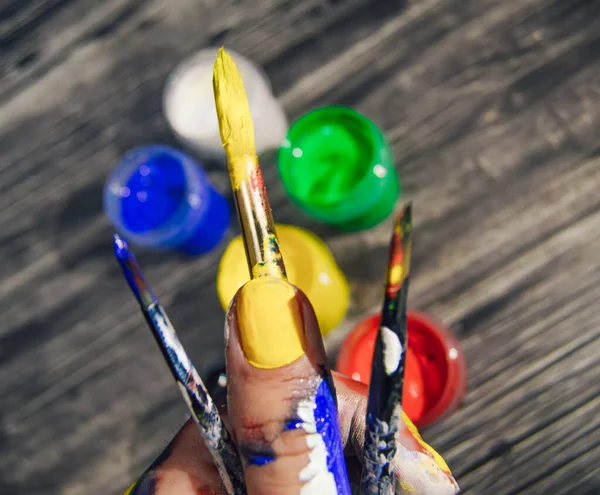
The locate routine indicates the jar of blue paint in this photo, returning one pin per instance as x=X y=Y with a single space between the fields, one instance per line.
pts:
x=159 y=197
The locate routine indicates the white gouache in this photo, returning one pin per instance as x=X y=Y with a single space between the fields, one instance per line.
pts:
x=392 y=350
x=316 y=477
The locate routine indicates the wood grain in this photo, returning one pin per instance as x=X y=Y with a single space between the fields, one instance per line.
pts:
x=492 y=110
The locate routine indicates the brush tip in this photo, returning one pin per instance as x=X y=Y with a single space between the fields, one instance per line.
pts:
x=233 y=110
x=121 y=247
x=405 y=213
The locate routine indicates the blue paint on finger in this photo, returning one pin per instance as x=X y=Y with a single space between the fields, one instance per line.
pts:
x=259 y=460
x=258 y=455
x=327 y=424
x=293 y=424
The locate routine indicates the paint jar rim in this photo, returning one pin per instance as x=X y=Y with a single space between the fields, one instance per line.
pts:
x=184 y=222
x=455 y=386
x=373 y=185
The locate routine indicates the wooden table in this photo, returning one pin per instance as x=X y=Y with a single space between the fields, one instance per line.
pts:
x=492 y=108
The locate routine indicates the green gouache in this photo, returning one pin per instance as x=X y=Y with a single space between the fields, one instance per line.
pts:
x=337 y=166
x=330 y=164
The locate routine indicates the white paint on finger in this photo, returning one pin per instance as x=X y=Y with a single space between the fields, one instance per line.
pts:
x=316 y=477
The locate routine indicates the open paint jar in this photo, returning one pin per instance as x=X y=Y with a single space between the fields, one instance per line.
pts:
x=158 y=197
x=435 y=380
x=337 y=167
x=310 y=266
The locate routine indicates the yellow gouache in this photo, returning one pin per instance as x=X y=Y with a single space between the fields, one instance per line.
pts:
x=310 y=266
x=237 y=136
x=439 y=460
x=130 y=489
x=396 y=274
x=235 y=121
x=270 y=322
x=407 y=487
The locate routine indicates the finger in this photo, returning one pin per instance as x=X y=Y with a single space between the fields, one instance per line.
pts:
x=418 y=468
x=281 y=399
x=184 y=468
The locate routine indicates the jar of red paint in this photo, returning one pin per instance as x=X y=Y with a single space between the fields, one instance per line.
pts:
x=435 y=379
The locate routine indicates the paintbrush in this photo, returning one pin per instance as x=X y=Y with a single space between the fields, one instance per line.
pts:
x=384 y=409
x=197 y=398
x=237 y=134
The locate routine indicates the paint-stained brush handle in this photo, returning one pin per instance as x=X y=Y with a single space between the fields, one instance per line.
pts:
x=193 y=390
x=384 y=408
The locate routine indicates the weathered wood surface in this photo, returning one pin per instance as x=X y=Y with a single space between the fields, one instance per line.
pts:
x=492 y=109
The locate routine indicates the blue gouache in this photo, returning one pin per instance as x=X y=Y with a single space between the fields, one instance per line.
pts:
x=158 y=197
x=121 y=248
x=153 y=193
x=123 y=254
x=258 y=456
x=326 y=418
x=259 y=460
x=212 y=228
x=293 y=424
x=132 y=272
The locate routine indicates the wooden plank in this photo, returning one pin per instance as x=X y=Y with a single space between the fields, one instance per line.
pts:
x=525 y=466
x=580 y=474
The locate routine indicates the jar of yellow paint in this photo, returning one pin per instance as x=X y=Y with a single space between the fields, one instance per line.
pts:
x=310 y=266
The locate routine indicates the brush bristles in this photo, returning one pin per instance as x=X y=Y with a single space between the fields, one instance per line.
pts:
x=235 y=121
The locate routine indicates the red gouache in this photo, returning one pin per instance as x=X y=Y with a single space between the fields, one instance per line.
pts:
x=435 y=376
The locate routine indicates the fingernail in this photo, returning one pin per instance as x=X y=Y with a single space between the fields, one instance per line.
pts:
x=270 y=323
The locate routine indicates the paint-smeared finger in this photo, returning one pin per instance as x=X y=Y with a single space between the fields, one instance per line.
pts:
x=281 y=397
x=184 y=468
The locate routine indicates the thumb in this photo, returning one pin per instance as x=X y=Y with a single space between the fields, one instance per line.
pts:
x=281 y=397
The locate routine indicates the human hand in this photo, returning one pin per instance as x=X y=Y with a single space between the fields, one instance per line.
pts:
x=274 y=357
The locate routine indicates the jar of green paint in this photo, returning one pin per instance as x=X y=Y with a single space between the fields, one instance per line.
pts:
x=337 y=167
